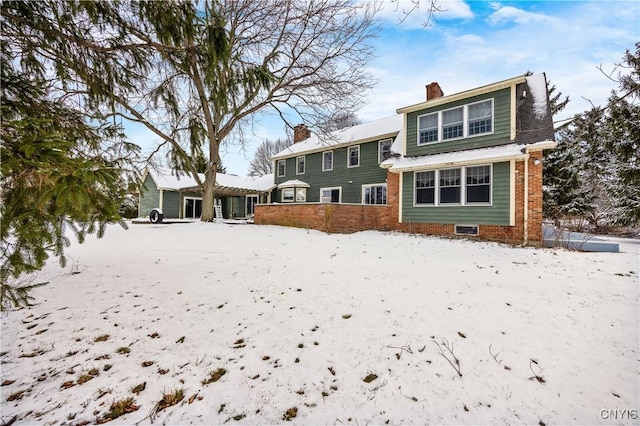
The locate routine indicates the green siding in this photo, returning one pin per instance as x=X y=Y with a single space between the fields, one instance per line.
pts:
x=171 y=204
x=149 y=197
x=495 y=214
x=500 y=135
x=369 y=172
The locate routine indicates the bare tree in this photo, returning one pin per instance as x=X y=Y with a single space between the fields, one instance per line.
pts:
x=216 y=68
x=261 y=163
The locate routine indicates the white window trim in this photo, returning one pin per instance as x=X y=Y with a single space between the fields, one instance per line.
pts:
x=184 y=204
x=284 y=168
x=293 y=198
x=463 y=188
x=304 y=165
x=322 y=159
x=390 y=141
x=465 y=123
x=349 y=156
x=371 y=185
x=331 y=188
x=297 y=191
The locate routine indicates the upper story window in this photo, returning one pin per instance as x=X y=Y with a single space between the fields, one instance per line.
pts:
x=327 y=161
x=463 y=121
x=428 y=128
x=353 y=156
x=452 y=123
x=300 y=165
x=281 y=167
x=384 y=150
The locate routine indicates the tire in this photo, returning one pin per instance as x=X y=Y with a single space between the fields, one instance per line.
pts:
x=155 y=216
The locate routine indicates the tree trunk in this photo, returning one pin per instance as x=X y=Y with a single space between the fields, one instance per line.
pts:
x=207 y=214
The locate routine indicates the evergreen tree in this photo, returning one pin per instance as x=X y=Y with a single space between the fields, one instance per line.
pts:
x=64 y=165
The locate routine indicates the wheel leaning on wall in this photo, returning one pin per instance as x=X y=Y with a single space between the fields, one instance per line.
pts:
x=155 y=216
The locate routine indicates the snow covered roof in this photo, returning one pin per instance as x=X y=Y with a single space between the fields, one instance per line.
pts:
x=169 y=179
x=472 y=156
x=293 y=183
x=374 y=130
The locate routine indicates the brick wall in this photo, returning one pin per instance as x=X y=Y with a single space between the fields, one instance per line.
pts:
x=345 y=218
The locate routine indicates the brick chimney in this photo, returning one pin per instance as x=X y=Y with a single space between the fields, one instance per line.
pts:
x=300 y=133
x=434 y=91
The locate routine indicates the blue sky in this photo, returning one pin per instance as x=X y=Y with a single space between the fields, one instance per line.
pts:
x=473 y=43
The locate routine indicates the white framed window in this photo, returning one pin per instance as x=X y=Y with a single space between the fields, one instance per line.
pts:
x=478 y=184
x=469 y=185
x=384 y=150
x=331 y=195
x=449 y=186
x=480 y=117
x=425 y=186
x=428 y=128
x=353 y=156
x=192 y=207
x=374 y=194
x=327 y=161
x=288 y=195
x=300 y=165
x=281 y=167
x=469 y=120
x=453 y=123
x=301 y=195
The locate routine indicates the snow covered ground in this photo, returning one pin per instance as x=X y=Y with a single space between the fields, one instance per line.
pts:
x=262 y=324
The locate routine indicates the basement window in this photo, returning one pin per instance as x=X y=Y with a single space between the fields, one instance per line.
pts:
x=466 y=230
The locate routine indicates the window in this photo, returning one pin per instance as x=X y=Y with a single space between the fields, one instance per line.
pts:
x=452 y=123
x=327 y=161
x=466 y=229
x=384 y=150
x=374 y=194
x=288 y=195
x=478 y=184
x=428 y=128
x=281 y=167
x=300 y=165
x=330 y=195
x=464 y=121
x=446 y=186
x=425 y=187
x=192 y=207
x=353 y=156
x=449 y=186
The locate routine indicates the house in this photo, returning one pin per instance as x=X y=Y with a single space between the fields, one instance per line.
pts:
x=178 y=195
x=469 y=163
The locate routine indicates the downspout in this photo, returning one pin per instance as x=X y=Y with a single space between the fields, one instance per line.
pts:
x=526 y=201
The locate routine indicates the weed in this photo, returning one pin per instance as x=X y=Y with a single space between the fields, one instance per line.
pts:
x=123 y=350
x=180 y=340
x=147 y=363
x=214 y=376
x=290 y=414
x=346 y=316
x=119 y=408
x=106 y=367
x=102 y=338
x=139 y=388
x=370 y=378
x=170 y=399
x=16 y=395
x=7 y=382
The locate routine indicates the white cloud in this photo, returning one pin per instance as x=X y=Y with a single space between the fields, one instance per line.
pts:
x=507 y=14
x=412 y=14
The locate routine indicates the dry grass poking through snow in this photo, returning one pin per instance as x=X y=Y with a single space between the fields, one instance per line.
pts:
x=214 y=323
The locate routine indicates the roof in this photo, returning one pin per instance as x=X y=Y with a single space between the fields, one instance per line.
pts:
x=169 y=179
x=492 y=154
x=463 y=95
x=366 y=132
x=293 y=183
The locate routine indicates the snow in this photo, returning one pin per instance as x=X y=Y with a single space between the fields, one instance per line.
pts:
x=537 y=84
x=293 y=182
x=373 y=130
x=299 y=318
x=169 y=179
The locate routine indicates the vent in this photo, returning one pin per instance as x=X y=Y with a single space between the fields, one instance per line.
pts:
x=466 y=229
